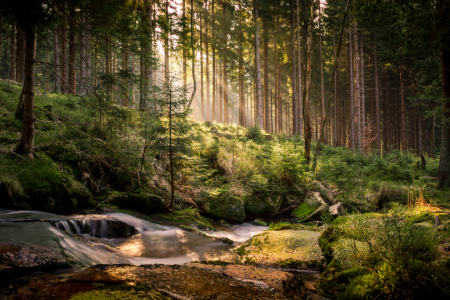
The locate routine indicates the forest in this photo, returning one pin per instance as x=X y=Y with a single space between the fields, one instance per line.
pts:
x=224 y=149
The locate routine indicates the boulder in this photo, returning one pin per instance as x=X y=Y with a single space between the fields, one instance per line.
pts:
x=225 y=206
x=337 y=209
x=311 y=209
x=263 y=205
x=324 y=191
x=145 y=202
x=284 y=248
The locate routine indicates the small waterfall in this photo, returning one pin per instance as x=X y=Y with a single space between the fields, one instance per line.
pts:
x=99 y=227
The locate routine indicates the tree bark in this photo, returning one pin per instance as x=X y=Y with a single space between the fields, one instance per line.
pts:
x=377 y=100
x=241 y=74
x=322 y=89
x=12 y=73
x=404 y=146
x=294 y=73
x=299 y=73
x=213 y=111
x=26 y=142
x=361 y=84
x=202 y=102
x=352 y=90
x=259 y=119
x=20 y=55
x=357 y=118
x=208 y=91
x=266 y=75
x=166 y=44
x=307 y=99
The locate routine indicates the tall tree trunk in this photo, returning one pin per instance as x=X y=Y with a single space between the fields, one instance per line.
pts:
x=336 y=122
x=208 y=92
x=72 y=53
x=361 y=84
x=357 y=118
x=166 y=44
x=12 y=72
x=241 y=74
x=377 y=100
x=83 y=53
x=444 y=162
x=214 y=64
x=125 y=68
x=307 y=99
x=149 y=46
x=404 y=147
x=266 y=75
x=259 y=119
x=184 y=43
x=20 y=54
x=352 y=90
x=299 y=73
x=225 y=89
x=26 y=142
x=294 y=73
x=202 y=101
x=322 y=89
x=63 y=56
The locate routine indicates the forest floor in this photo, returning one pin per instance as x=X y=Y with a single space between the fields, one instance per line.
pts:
x=229 y=174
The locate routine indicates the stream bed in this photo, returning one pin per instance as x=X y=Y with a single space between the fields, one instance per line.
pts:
x=81 y=241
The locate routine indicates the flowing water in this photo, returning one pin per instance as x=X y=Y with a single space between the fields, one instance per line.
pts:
x=151 y=243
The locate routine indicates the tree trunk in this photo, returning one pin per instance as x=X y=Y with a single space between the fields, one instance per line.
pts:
x=357 y=118
x=259 y=119
x=299 y=73
x=26 y=142
x=266 y=75
x=225 y=90
x=202 y=102
x=307 y=99
x=361 y=84
x=83 y=53
x=184 y=43
x=404 y=147
x=294 y=73
x=322 y=89
x=166 y=45
x=63 y=56
x=12 y=73
x=20 y=54
x=444 y=162
x=147 y=63
x=241 y=75
x=352 y=89
x=214 y=64
x=125 y=67
x=208 y=92
x=377 y=100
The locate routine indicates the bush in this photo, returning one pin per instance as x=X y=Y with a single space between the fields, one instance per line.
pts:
x=396 y=258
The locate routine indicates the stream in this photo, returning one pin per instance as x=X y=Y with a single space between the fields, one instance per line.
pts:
x=87 y=240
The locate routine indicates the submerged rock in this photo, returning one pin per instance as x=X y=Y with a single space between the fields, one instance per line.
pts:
x=225 y=206
x=311 y=209
x=285 y=248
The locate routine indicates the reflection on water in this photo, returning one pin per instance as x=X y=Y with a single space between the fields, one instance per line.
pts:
x=175 y=243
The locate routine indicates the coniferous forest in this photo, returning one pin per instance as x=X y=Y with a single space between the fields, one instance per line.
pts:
x=224 y=149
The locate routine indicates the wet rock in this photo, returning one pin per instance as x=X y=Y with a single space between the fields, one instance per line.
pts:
x=311 y=209
x=18 y=260
x=337 y=209
x=201 y=281
x=225 y=206
x=285 y=248
x=224 y=240
x=259 y=222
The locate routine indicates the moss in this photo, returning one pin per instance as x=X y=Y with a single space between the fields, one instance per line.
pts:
x=303 y=210
x=123 y=292
x=226 y=206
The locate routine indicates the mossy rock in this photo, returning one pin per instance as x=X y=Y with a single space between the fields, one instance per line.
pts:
x=225 y=206
x=311 y=209
x=285 y=248
x=259 y=222
x=142 y=201
x=263 y=205
x=123 y=292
